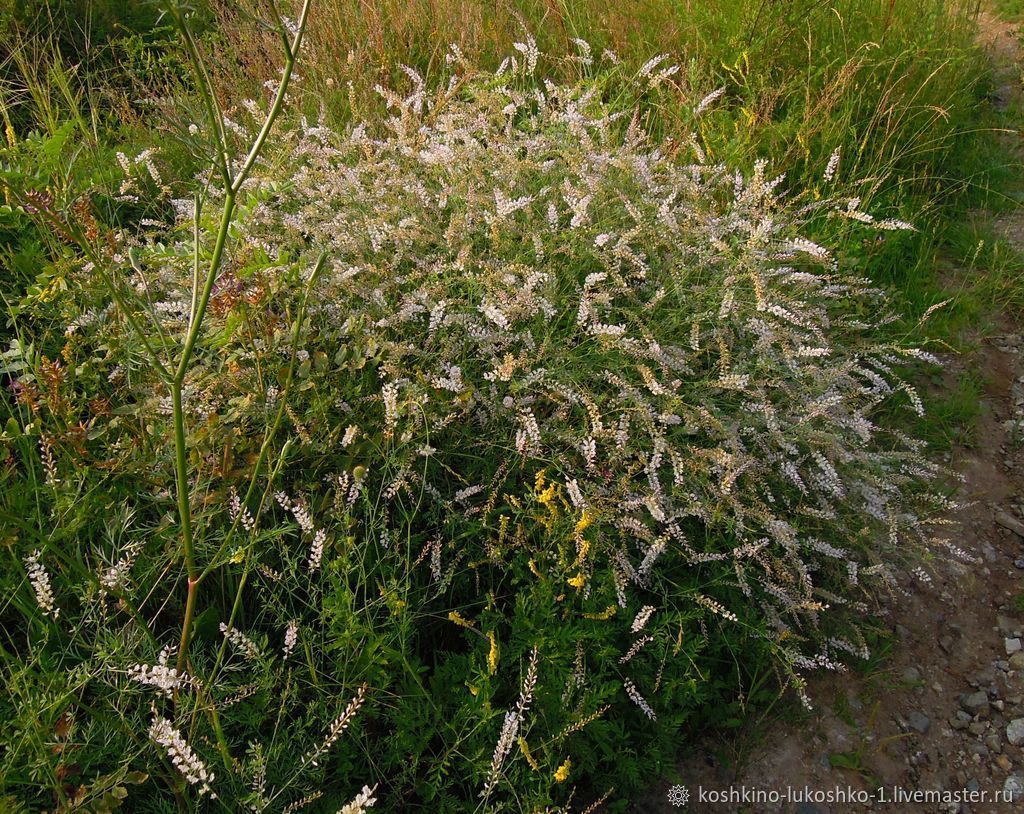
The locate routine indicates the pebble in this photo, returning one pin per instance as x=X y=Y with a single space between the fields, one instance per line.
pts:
x=1013 y=788
x=1004 y=763
x=1008 y=521
x=921 y=722
x=1016 y=661
x=976 y=703
x=1008 y=626
x=1015 y=731
x=983 y=678
x=911 y=675
x=978 y=751
x=1012 y=646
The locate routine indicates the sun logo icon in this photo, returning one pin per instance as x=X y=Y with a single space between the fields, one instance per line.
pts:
x=678 y=796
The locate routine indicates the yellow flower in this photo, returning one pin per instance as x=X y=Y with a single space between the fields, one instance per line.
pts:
x=584 y=522
x=492 y=657
x=459 y=619
x=607 y=613
x=562 y=772
x=525 y=748
x=578 y=581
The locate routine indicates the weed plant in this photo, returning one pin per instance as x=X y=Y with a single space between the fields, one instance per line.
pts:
x=455 y=459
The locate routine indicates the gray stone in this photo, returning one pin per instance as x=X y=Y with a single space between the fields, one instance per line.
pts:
x=1008 y=521
x=977 y=728
x=919 y=721
x=983 y=678
x=978 y=750
x=1017 y=661
x=1013 y=788
x=1015 y=731
x=911 y=675
x=975 y=703
x=1012 y=646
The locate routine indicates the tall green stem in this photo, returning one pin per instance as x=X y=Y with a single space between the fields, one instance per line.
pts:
x=177 y=383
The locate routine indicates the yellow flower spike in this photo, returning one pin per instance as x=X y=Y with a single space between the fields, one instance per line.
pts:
x=533 y=568
x=584 y=522
x=237 y=556
x=524 y=747
x=547 y=497
x=607 y=613
x=577 y=581
x=562 y=772
x=584 y=549
x=460 y=620
x=492 y=656
x=539 y=480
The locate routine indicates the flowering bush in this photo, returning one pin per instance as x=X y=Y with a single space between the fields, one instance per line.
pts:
x=567 y=416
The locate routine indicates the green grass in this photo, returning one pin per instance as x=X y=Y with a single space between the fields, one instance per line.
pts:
x=1010 y=9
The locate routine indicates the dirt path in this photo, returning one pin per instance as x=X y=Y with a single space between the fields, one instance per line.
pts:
x=945 y=715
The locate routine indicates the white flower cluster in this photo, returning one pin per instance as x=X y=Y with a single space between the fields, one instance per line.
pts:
x=164 y=678
x=291 y=638
x=638 y=699
x=40 y=580
x=511 y=725
x=192 y=768
x=361 y=802
x=247 y=647
x=338 y=726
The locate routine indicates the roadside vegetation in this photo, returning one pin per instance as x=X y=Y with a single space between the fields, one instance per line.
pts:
x=421 y=406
